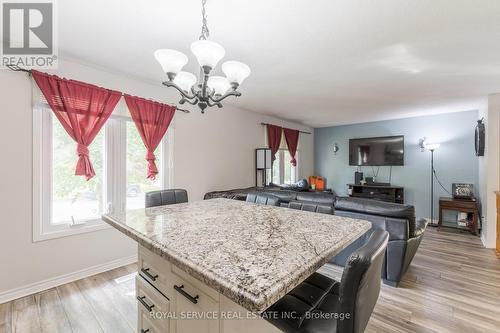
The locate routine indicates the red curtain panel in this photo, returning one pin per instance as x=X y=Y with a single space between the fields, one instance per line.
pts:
x=152 y=120
x=274 y=138
x=81 y=108
x=292 y=141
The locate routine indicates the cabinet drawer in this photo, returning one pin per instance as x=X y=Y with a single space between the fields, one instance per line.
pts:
x=146 y=325
x=153 y=308
x=178 y=273
x=156 y=270
x=202 y=310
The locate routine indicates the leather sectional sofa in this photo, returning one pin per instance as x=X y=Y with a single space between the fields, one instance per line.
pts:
x=405 y=231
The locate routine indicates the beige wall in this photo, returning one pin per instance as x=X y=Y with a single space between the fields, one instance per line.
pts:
x=212 y=151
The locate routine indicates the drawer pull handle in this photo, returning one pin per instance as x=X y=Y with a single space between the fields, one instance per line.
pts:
x=185 y=294
x=149 y=275
x=146 y=305
x=144 y=331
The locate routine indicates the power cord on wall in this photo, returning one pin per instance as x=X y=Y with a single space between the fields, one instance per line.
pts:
x=439 y=182
x=375 y=175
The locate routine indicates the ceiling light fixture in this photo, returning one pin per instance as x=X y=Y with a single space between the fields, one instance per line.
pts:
x=207 y=91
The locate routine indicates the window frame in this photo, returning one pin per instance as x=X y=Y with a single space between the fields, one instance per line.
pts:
x=114 y=173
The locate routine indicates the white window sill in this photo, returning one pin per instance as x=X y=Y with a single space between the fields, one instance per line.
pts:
x=69 y=230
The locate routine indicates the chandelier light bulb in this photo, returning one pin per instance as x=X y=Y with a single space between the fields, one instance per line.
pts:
x=219 y=84
x=207 y=53
x=185 y=80
x=235 y=71
x=170 y=60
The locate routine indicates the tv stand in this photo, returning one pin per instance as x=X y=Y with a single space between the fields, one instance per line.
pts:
x=381 y=192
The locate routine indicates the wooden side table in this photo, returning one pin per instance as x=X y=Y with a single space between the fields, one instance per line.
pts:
x=463 y=206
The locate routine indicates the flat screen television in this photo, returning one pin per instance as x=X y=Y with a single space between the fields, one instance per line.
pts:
x=387 y=150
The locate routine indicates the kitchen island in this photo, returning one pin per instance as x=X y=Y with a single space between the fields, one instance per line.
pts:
x=215 y=265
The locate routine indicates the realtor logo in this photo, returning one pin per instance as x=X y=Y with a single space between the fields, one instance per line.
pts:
x=28 y=34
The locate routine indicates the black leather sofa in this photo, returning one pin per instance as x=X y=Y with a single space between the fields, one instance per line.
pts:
x=405 y=231
x=285 y=195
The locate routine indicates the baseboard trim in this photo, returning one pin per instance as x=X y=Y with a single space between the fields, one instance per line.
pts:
x=36 y=287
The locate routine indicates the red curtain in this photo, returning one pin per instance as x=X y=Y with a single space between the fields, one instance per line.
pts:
x=292 y=141
x=152 y=120
x=274 y=139
x=82 y=110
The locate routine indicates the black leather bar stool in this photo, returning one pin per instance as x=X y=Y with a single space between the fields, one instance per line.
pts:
x=166 y=197
x=320 y=304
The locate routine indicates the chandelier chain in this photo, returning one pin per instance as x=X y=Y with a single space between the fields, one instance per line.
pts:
x=204 y=28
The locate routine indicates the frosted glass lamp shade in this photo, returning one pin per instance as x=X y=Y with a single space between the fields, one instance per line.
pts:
x=235 y=71
x=171 y=61
x=219 y=84
x=207 y=53
x=431 y=146
x=185 y=80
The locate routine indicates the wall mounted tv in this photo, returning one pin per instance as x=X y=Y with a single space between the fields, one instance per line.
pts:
x=387 y=150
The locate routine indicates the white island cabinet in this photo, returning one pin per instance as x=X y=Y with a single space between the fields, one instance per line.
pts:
x=216 y=265
x=176 y=302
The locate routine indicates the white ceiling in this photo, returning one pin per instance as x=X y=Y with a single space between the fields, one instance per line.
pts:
x=320 y=62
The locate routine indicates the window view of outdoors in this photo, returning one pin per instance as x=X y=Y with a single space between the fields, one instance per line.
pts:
x=276 y=169
x=287 y=179
x=282 y=164
x=73 y=197
x=137 y=183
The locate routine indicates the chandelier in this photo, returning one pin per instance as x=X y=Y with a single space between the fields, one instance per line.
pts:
x=208 y=90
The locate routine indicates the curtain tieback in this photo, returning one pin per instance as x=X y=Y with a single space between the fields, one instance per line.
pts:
x=152 y=169
x=150 y=156
x=82 y=150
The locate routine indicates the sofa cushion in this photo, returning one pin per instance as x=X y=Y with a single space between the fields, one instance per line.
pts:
x=378 y=208
x=397 y=227
x=263 y=199
x=284 y=195
x=310 y=207
x=325 y=199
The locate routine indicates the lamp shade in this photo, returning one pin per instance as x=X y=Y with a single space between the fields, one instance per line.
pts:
x=431 y=146
x=185 y=80
x=235 y=71
x=171 y=61
x=219 y=84
x=207 y=53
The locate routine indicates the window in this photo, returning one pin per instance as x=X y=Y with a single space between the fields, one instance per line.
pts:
x=73 y=198
x=65 y=204
x=137 y=183
x=283 y=172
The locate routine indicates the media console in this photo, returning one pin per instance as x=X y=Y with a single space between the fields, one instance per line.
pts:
x=378 y=192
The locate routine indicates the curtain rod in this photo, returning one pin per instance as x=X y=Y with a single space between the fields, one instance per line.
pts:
x=264 y=124
x=16 y=68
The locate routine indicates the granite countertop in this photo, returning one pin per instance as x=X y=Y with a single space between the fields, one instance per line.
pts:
x=252 y=254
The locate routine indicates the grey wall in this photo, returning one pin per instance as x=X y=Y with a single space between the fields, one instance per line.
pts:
x=454 y=161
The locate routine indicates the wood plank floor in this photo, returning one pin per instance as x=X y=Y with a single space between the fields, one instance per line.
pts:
x=453 y=285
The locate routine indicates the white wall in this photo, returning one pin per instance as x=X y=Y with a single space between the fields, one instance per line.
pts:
x=211 y=152
x=489 y=170
x=216 y=151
